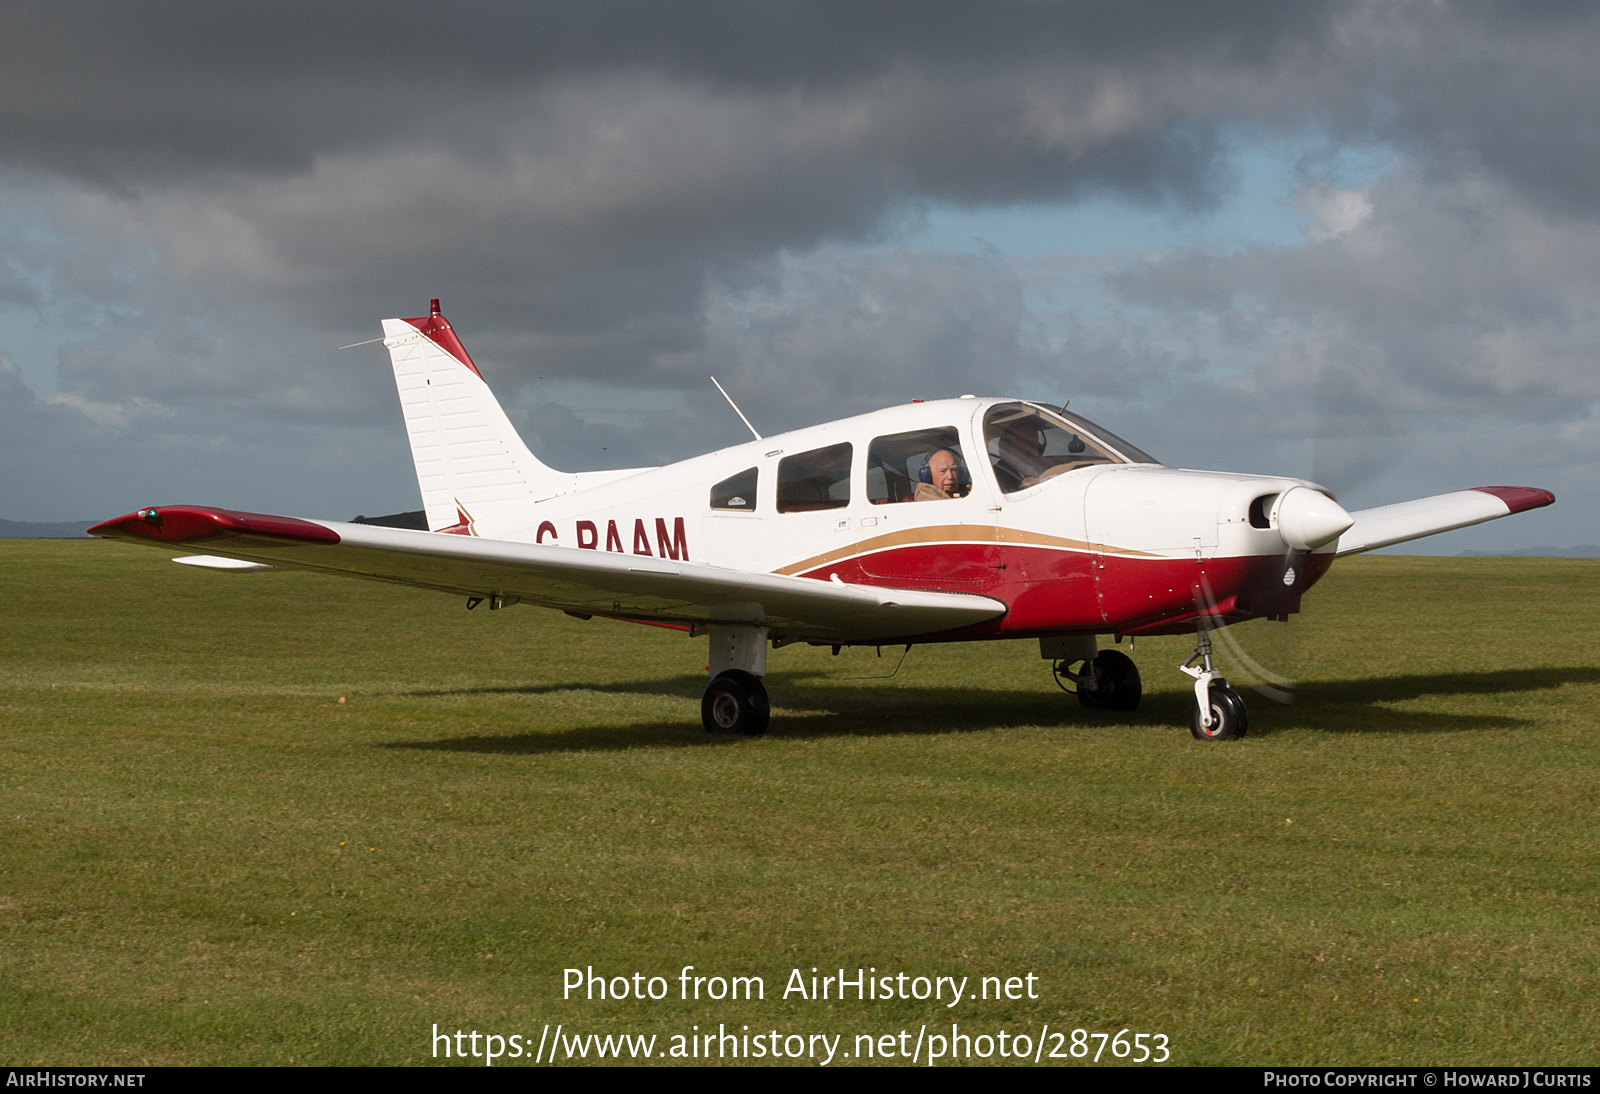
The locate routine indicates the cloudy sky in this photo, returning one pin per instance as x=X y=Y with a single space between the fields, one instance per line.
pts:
x=1358 y=241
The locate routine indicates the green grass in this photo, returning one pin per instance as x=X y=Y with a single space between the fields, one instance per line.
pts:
x=206 y=858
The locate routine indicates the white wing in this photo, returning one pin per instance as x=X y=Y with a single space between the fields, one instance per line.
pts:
x=1390 y=524
x=585 y=582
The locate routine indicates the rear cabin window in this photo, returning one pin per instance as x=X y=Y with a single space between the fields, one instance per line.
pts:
x=897 y=465
x=737 y=493
x=819 y=479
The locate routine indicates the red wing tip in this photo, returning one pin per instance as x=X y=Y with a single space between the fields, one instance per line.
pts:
x=198 y=523
x=1518 y=498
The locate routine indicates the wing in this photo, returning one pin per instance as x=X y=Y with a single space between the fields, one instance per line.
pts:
x=1390 y=524
x=586 y=582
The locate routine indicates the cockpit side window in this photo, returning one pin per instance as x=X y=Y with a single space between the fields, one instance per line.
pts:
x=737 y=493
x=898 y=466
x=819 y=479
x=1027 y=446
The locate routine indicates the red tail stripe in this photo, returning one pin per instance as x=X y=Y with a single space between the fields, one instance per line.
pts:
x=436 y=328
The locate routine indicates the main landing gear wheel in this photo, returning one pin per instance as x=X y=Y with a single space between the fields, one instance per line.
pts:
x=1117 y=685
x=735 y=702
x=1229 y=718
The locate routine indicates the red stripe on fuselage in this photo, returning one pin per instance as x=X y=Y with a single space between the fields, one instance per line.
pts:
x=1144 y=596
x=1053 y=591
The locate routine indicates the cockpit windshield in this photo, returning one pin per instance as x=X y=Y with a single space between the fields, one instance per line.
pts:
x=1028 y=444
x=1130 y=453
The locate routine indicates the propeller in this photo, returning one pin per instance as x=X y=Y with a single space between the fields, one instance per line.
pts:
x=1355 y=434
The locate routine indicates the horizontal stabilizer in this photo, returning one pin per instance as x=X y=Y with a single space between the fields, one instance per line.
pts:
x=1391 y=524
x=636 y=587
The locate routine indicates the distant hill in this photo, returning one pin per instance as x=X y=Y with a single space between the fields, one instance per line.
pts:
x=1582 y=550
x=22 y=529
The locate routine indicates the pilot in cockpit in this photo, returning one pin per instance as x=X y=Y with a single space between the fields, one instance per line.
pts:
x=942 y=477
x=1017 y=457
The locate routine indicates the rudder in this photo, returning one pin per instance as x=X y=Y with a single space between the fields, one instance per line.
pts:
x=471 y=464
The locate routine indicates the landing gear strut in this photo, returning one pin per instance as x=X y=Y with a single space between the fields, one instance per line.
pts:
x=735 y=700
x=1110 y=682
x=1218 y=713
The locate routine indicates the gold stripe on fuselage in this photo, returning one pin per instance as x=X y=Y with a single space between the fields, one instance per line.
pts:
x=952 y=533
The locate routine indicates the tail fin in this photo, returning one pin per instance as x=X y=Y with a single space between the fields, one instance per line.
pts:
x=471 y=464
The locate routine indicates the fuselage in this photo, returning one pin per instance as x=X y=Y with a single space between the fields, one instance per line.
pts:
x=1104 y=541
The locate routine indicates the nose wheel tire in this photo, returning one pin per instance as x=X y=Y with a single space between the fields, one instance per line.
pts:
x=1229 y=718
x=735 y=702
x=1117 y=685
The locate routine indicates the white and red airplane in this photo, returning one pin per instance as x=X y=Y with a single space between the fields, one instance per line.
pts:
x=944 y=521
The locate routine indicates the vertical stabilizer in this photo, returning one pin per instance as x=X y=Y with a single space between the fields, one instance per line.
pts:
x=471 y=464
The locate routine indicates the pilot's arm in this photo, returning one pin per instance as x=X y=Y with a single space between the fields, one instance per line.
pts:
x=1007 y=476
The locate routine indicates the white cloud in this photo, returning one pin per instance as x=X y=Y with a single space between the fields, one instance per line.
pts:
x=1333 y=212
x=116 y=415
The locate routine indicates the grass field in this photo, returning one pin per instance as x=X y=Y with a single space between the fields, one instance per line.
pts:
x=206 y=857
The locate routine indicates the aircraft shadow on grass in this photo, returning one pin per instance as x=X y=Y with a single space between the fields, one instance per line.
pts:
x=1352 y=706
x=811 y=706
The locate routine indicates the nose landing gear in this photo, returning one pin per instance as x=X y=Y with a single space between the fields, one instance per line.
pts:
x=1218 y=714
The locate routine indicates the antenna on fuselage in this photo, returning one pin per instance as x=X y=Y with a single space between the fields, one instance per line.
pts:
x=736 y=409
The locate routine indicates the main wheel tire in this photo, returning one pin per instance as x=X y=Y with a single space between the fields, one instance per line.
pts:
x=735 y=702
x=1117 y=683
x=1229 y=718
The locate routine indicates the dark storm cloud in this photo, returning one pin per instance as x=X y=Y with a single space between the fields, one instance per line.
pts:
x=125 y=93
x=843 y=332
x=574 y=174
x=1506 y=87
x=130 y=96
x=572 y=164
x=578 y=170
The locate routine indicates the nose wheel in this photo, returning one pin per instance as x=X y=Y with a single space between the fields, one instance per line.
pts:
x=1229 y=718
x=1217 y=713
x=735 y=702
